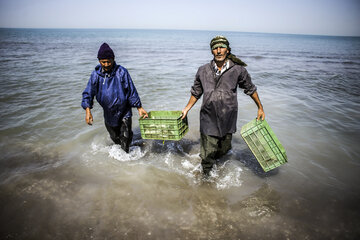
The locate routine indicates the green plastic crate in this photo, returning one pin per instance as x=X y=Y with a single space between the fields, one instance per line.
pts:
x=264 y=144
x=163 y=125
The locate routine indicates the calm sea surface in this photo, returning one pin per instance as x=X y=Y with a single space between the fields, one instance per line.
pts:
x=63 y=179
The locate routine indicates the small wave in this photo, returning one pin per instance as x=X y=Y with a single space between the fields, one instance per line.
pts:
x=257 y=57
x=350 y=63
x=15 y=43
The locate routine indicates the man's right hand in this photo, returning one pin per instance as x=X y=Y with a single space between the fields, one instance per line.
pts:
x=190 y=104
x=184 y=113
x=89 y=118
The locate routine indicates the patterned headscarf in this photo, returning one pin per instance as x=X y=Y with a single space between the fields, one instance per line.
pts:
x=221 y=41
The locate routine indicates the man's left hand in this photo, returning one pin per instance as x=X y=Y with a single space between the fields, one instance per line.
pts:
x=260 y=114
x=142 y=112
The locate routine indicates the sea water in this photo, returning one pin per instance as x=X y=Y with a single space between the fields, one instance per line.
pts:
x=63 y=179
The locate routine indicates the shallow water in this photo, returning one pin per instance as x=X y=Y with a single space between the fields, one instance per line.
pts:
x=62 y=179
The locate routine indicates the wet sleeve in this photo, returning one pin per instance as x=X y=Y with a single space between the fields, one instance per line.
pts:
x=197 y=89
x=245 y=82
x=89 y=93
x=132 y=94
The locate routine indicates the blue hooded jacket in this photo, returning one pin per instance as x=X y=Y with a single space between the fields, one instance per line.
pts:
x=114 y=91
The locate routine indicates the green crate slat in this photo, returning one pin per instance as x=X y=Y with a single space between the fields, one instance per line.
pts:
x=264 y=144
x=163 y=125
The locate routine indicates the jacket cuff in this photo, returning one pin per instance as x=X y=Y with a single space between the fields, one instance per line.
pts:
x=250 y=91
x=193 y=93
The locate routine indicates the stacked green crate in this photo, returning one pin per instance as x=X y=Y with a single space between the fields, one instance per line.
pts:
x=264 y=144
x=163 y=125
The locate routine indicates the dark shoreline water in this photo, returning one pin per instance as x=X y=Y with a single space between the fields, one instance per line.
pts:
x=62 y=179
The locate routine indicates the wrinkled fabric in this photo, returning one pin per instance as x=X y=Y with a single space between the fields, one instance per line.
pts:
x=121 y=134
x=218 y=114
x=115 y=92
x=213 y=148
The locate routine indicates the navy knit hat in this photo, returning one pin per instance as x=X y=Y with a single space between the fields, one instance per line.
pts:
x=105 y=52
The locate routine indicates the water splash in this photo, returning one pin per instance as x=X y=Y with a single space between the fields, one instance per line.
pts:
x=116 y=152
x=226 y=175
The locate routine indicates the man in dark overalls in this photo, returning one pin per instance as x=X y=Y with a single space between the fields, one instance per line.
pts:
x=115 y=91
x=218 y=81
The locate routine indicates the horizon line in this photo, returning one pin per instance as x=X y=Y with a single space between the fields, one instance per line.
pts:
x=169 y=29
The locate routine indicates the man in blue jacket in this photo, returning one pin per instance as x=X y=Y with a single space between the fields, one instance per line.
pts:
x=114 y=90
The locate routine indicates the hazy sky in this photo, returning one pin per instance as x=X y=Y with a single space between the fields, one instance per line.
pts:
x=324 y=17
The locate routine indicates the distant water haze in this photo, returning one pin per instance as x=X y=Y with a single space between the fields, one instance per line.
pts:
x=63 y=179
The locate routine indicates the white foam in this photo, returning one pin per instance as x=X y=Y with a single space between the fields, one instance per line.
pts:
x=226 y=176
x=168 y=160
x=116 y=152
x=187 y=164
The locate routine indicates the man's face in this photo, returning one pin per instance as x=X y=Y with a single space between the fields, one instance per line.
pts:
x=106 y=64
x=220 y=54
